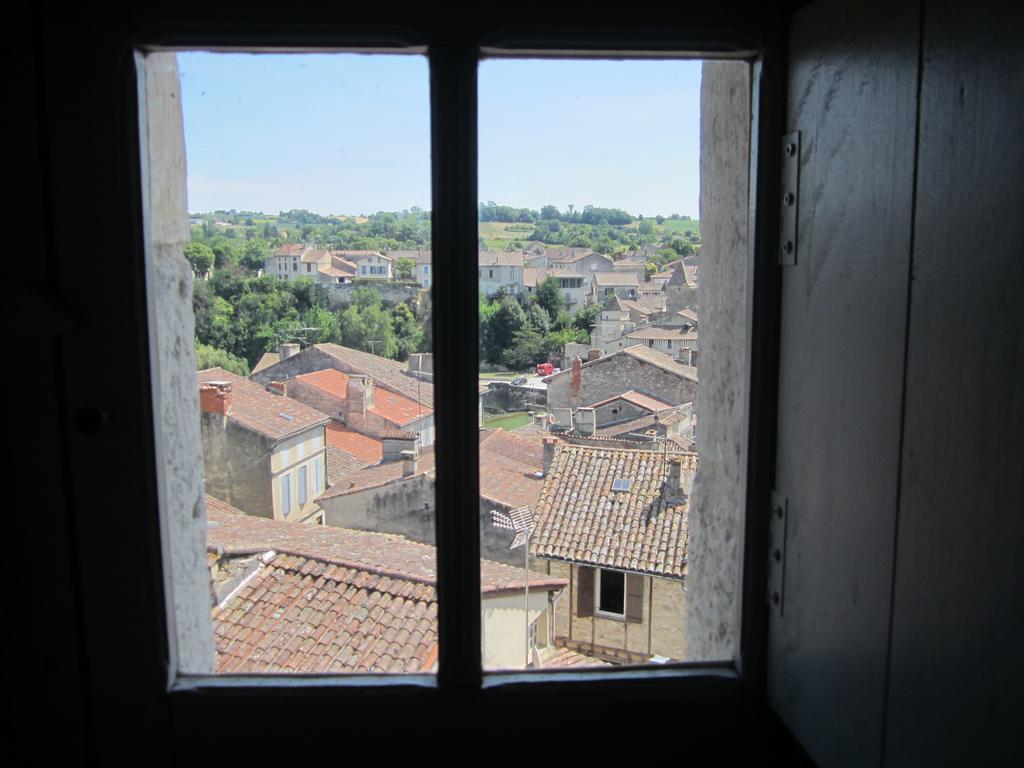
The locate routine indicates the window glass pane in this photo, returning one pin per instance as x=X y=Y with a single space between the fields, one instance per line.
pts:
x=308 y=181
x=589 y=262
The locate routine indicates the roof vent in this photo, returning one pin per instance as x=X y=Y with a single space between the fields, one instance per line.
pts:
x=286 y=417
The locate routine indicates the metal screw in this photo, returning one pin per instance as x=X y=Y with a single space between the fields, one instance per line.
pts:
x=788 y=198
x=790 y=149
x=775 y=598
x=787 y=247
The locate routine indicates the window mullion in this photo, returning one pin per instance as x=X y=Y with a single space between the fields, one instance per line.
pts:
x=453 y=117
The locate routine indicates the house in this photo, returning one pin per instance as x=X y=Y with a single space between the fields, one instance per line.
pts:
x=622 y=284
x=674 y=341
x=500 y=269
x=613 y=523
x=387 y=374
x=681 y=289
x=301 y=599
x=262 y=453
x=357 y=402
x=422 y=267
x=575 y=287
x=636 y=367
x=372 y=265
x=584 y=262
x=284 y=262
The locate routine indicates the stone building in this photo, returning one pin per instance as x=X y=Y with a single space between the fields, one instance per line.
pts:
x=681 y=289
x=637 y=367
x=613 y=523
x=387 y=374
x=262 y=453
x=500 y=269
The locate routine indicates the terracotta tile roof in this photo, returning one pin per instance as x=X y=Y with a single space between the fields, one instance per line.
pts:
x=663 y=333
x=316 y=256
x=268 y=359
x=381 y=474
x=689 y=314
x=572 y=258
x=290 y=249
x=509 y=464
x=420 y=257
x=637 y=307
x=389 y=374
x=389 y=405
x=329 y=380
x=364 y=448
x=613 y=279
x=341 y=465
x=581 y=519
x=398 y=409
x=256 y=409
x=383 y=554
x=649 y=402
x=660 y=359
x=500 y=259
x=638 y=425
x=333 y=271
x=327 y=600
x=215 y=505
x=645 y=354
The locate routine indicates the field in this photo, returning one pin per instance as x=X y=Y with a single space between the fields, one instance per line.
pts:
x=498 y=234
x=507 y=420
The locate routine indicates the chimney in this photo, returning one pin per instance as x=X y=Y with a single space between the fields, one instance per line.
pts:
x=215 y=397
x=409 y=461
x=395 y=443
x=680 y=476
x=540 y=419
x=574 y=383
x=359 y=394
x=549 y=453
x=592 y=354
x=585 y=421
x=289 y=349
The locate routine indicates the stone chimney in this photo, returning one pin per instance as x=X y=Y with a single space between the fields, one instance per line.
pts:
x=549 y=453
x=680 y=476
x=410 y=459
x=359 y=394
x=592 y=354
x=585 y=420
x=562 y=418
x=215 y=397
x=289 y=349
x=540 y=419
x=396 y=443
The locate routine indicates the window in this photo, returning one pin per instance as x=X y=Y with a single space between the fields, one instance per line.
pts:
x=318 y=476
x=446 y=291
x=611 y=593
x=286 y=494
x=303 y=480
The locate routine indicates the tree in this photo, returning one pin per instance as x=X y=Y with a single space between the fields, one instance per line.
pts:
x=527 y=349
x=200 y=256
x=404 y=267
x=408 y=336
x=211 y=357
x=549 y=296
x=502 y=325
x=254 y=254
x=646 y=227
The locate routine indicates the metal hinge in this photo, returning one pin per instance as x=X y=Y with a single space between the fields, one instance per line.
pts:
x=790 y=195
x=777 y=553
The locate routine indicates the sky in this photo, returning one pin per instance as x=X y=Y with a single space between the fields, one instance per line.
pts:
x=350 y=134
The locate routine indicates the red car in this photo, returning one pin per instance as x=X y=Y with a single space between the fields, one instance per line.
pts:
x=545 y=369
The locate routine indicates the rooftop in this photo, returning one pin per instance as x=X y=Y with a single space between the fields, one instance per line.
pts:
x=396 y=408
x=644 y=354
x=613 y=279
x=500 y=259
x=324 y=599
x=256 y=409
x=389 y=374
x=581 y=519
x=640 y=399
x=364 y=448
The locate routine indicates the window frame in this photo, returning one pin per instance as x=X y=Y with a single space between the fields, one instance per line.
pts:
x=598 y=610
x=707 y=697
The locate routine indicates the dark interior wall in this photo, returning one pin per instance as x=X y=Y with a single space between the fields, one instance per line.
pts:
x=900 y=429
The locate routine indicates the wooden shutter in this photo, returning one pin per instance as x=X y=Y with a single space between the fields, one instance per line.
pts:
x=634 y=597
x=585 y=592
